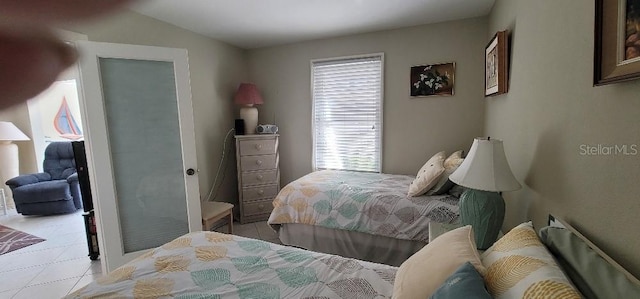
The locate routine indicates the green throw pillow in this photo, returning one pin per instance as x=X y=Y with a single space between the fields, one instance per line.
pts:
x=466 y=283
x=589 y=272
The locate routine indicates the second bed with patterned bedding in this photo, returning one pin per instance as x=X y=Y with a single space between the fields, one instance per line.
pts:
x=367 y=204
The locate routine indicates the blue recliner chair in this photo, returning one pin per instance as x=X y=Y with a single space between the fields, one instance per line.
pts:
x=54 y=191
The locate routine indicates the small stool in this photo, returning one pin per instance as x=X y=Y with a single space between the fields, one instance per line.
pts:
x=213 y=211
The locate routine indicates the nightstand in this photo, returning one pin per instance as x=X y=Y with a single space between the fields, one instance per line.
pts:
x=258 y=175
x=436 y=229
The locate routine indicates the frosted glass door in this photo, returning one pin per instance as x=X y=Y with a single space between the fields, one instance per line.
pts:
x=144 y=140
x=140 y=133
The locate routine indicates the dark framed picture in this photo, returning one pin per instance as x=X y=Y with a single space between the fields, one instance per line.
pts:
x=617 y=41
x=433 y=79
x=496 y=65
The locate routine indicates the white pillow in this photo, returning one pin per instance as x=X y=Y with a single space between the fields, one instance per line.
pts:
x=450 y=165
x=426 y=270
x=428 y=175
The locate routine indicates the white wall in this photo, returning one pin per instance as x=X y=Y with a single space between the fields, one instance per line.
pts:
x=414 y=128
x=552 y=110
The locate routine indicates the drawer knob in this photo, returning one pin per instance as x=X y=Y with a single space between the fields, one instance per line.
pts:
x=260 y=192
x=258 y=146
x=259 y=162
x=261 y=206
x=259 y=177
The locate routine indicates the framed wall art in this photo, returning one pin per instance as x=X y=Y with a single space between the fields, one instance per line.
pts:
x=617 y=41
x=433 y=79
x=496 y=65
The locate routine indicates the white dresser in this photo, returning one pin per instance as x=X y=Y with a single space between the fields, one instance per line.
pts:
x=258 y=175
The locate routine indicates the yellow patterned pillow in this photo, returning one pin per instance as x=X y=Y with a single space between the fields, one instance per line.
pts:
x=519 y=266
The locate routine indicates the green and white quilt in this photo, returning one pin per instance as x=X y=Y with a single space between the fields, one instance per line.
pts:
x=365 y=202
x=213 y=265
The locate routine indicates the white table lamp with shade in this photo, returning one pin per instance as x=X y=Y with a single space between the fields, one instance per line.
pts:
x=9 y=159
x=485 y=173
x=248 y=96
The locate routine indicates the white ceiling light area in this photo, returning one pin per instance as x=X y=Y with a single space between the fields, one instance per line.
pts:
x=254 y=24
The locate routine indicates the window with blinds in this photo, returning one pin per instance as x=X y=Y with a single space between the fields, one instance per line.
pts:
x=347 y=113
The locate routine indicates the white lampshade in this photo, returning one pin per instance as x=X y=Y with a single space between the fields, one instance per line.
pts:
x=9 y=132
x=486 y=168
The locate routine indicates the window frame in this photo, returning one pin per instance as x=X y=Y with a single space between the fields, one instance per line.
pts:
x=379 y=55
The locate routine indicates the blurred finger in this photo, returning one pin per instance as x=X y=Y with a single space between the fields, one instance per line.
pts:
x=29 y=65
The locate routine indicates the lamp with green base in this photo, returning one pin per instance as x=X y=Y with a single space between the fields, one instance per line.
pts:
x=485 y=173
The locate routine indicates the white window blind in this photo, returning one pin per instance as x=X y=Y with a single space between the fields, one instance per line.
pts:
x=347 y=113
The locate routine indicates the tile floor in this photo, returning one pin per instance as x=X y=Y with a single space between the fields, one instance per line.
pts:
x=52 y=268
x=59 y=265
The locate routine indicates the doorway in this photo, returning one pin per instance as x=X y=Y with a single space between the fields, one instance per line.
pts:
x=60 y=264
x=55 y=115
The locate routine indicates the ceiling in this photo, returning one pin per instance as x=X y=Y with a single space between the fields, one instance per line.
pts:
x=254 y=24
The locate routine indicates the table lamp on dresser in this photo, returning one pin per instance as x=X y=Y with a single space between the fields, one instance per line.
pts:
x=248 y=96
x=485 y=173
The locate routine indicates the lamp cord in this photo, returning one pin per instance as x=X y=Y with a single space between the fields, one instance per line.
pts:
x=215 y=181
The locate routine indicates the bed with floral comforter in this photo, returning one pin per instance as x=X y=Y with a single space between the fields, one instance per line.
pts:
x=369 y=203
x=214 y=265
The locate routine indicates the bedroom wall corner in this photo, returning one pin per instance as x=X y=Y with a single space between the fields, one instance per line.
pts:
x=552 y=112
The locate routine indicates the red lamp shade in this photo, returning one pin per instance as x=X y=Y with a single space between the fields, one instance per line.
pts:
x=248 y=94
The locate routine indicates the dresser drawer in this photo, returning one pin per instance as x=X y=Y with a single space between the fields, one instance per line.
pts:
x=259 y=177
x=248 y=163
x=259 y=207
x=257 y=147
x=260 y=192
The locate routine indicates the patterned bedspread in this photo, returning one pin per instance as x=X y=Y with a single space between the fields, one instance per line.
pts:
x=366 y=202
x=214 y=265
